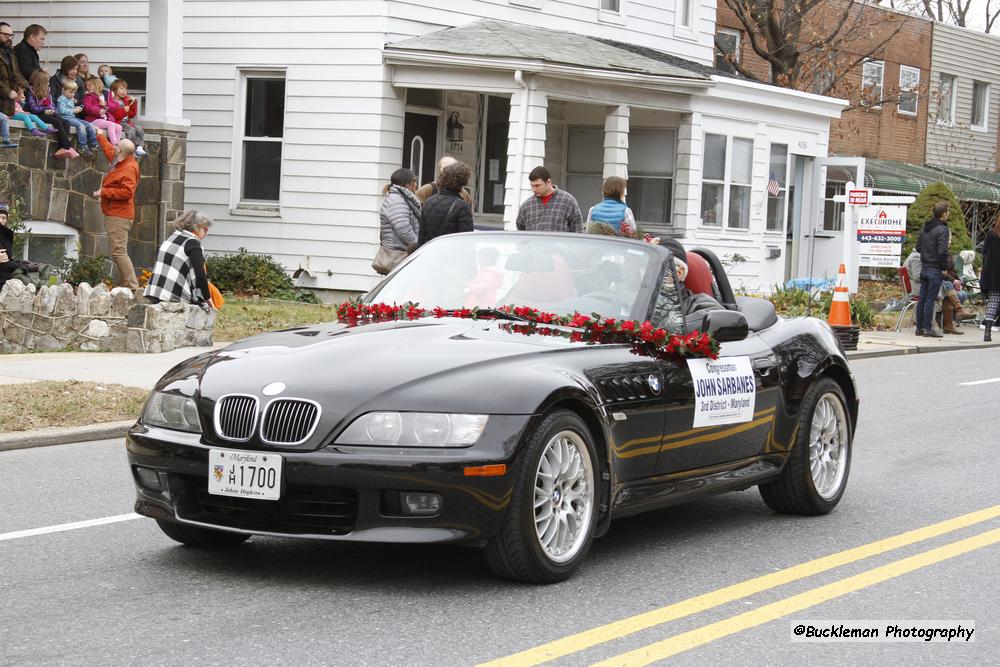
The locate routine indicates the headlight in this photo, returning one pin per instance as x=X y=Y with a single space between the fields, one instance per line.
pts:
x=414 y=429
x=171 y=411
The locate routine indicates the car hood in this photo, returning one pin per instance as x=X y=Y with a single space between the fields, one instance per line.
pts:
x=352 y=369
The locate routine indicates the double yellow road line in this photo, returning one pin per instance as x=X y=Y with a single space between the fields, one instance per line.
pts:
x=708 y=633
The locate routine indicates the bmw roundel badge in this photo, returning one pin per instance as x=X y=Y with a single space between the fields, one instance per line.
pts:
x=654 y=383
x=273 y=389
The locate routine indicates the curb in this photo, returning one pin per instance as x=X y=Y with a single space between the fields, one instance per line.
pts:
x=917 y=349
x=45 y=437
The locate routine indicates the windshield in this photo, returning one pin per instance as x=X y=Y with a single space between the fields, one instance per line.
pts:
x=557 y=274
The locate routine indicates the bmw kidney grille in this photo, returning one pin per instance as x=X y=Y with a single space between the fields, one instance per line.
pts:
x=289 y=421
x=236 y=417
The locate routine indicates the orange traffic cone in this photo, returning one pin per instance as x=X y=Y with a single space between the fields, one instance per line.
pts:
x=840 y=309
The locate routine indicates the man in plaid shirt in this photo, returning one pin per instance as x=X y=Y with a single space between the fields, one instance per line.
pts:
x=549 y=209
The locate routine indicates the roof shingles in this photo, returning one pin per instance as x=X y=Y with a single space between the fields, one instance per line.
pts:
x=500 y=39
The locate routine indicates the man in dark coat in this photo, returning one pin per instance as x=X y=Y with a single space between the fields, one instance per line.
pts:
x=933 y=248
x=446 y=212
x=10 y=73
x=27 y=50
x=8 y=265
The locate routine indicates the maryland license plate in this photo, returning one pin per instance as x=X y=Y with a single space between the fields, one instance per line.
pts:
x=244 y=474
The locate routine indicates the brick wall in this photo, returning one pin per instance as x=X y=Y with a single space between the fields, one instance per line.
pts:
x=868 y=132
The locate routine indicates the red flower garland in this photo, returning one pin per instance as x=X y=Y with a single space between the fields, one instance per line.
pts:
x=595 y=328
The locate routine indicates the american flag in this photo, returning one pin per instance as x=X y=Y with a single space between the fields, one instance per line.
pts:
x=773 y=186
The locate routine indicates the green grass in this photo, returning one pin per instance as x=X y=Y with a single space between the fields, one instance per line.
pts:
x=240 y=318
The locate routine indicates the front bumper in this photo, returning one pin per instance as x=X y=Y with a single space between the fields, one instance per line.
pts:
x=335 y=493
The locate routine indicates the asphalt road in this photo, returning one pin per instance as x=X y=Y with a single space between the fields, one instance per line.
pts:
x=926 y=452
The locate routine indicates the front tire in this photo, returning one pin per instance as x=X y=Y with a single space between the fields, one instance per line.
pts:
x=193 y=536
x=815 y=474
x=549 y=525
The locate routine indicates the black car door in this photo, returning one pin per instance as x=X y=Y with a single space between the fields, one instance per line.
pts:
x=716 y=414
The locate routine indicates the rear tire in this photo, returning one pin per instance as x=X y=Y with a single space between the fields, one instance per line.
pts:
x=204 y=538
x=549 y=524
x=815 y=474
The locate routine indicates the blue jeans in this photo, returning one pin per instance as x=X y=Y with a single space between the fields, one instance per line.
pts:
x=4 y=128
x=930 y=285
x=85 y=134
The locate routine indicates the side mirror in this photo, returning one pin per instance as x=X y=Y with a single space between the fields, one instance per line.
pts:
x=725 y=325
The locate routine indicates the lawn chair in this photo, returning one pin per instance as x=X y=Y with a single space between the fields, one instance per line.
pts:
x=904 y=281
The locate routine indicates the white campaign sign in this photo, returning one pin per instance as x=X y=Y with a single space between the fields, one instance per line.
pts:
x=724 y=390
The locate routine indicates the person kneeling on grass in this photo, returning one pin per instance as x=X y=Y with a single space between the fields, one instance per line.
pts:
x=179 y=273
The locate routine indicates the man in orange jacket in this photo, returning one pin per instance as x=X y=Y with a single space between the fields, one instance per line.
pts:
x=117 y=196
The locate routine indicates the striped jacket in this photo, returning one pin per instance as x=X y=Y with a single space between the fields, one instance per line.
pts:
x=561 y=214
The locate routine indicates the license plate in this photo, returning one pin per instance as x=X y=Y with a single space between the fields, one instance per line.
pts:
x=244 y=474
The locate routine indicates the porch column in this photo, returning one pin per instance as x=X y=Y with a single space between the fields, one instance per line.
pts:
x=687 y=174
x=525 y=146
x=616 y=125
x=165 y=63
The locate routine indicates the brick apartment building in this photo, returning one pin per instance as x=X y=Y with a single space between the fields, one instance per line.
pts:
x=896 y=129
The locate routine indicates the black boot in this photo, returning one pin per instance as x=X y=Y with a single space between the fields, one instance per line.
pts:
x=987 y=337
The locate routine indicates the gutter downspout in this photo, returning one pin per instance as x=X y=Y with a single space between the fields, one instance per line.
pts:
x=519 y=180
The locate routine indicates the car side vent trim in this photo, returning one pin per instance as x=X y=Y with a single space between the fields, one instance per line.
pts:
x=625 y=388
x=289 y=421
x=236 y=417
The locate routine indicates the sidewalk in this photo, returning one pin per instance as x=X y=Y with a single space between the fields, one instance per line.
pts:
x=887 y=343
x=143 y=370
x=133 y=370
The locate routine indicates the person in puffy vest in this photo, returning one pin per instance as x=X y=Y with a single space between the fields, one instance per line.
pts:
x=612 y=215
x=179 y=273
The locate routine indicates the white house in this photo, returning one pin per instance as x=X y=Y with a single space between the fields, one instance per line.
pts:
x=301 y=109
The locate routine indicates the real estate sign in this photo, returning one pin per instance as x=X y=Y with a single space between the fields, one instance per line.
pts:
x=881 y=231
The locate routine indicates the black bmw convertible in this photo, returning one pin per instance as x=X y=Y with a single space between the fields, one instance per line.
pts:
x=509 y=391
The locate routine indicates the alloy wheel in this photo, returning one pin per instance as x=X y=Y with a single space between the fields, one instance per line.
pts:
x=828 y=446
x=564 y=496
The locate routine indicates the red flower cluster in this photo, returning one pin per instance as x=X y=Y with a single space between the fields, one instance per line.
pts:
x=595 y=328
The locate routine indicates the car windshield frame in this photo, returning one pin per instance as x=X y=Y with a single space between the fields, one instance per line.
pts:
x=647 y=288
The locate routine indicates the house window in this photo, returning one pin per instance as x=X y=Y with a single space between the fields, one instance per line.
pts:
x=261 y=137
x=739 y=186
x=777 y=188
x=727 y=49
x=980 y=105
x=713 y=179
x=585 y=164
x=946 y=100
x=725 y=188
x=651 y=175
x=685 y=13
x=833 y=211
x=871 y=82
x=611 y=5
x=909 y=81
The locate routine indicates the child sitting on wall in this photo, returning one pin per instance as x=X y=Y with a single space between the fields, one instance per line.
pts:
x=122 y=110
x=38 y=102
x=86 y=136
x=95 y=110
x=32 y=123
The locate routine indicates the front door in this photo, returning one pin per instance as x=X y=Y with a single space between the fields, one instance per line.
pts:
x=494 y=177
x=420 y=133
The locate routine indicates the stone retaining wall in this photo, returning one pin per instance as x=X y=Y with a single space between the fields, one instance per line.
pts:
x=96 y=319
x=61 y=190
